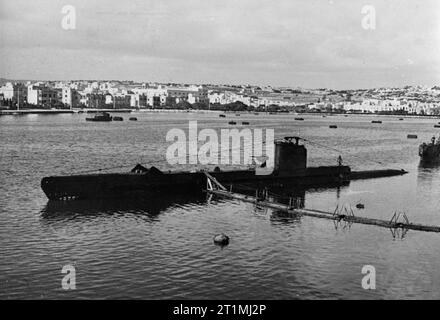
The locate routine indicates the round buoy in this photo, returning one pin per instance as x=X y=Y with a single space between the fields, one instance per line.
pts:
x=221 y=239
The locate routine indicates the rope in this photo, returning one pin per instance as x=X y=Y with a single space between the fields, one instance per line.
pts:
x=101 y=169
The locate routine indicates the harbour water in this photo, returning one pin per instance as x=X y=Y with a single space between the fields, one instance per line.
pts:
x=162 y=248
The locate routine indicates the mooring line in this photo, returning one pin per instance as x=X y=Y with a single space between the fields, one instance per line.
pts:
x=340 y=214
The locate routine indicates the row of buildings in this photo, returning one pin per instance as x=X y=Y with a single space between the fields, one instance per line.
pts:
x=95 y=95
x=403 y=106
x=117 y=94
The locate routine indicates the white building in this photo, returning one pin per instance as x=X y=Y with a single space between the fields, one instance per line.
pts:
x=41 y=95
x=14 y=92
x=70 y=97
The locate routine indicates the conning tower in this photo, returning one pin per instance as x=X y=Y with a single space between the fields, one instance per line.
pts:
x=290 y=156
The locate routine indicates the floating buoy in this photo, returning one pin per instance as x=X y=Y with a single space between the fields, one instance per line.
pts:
x=412 y=136
x=221 y=239
x=360 y=206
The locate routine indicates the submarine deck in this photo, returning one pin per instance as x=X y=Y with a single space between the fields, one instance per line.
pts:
x=130 y=184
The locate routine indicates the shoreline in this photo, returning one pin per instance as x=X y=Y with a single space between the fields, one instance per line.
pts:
x=129 y=110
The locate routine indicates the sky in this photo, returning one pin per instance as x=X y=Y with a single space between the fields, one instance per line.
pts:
x=296 y=43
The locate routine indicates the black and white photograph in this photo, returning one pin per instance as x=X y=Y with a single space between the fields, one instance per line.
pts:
x=203 y=150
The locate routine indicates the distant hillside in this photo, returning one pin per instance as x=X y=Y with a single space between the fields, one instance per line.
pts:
x=4 y=80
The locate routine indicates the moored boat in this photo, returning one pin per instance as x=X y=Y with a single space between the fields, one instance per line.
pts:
x=101 y=116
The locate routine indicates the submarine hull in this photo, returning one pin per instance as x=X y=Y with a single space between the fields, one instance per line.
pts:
x=122 y=185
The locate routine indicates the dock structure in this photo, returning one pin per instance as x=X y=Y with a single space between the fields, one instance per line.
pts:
x=36 y=111
x=398 y=221
x=62 y=111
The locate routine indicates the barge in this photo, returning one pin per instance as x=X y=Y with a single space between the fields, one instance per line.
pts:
x=290 y=168
x=100 y=117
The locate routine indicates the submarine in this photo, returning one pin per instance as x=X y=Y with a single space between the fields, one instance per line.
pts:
x=290 y=167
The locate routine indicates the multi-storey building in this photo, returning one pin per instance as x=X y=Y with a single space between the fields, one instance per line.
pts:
x=92 y=100
x=41 y=95
x=15 y=92
x=138 y=100
x=70 y=97
x=117 y=101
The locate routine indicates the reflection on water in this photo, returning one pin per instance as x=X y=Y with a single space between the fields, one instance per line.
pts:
x=429 y=164
x=284 y=217
x=428 y=173
x=144 y=206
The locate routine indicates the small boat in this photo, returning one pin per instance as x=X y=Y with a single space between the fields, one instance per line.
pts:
x=133 y=119
x=118 y=119
x=245 y=122
x=430 y=152
x=222 y=116
x=376 y=121
x=437 y=126
x=100 y=116
x=412 y=136
x=299 y=119
x=232 y=122
x=237 y=114
x=333 y=126
x=401 y=119
x=256 y=113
